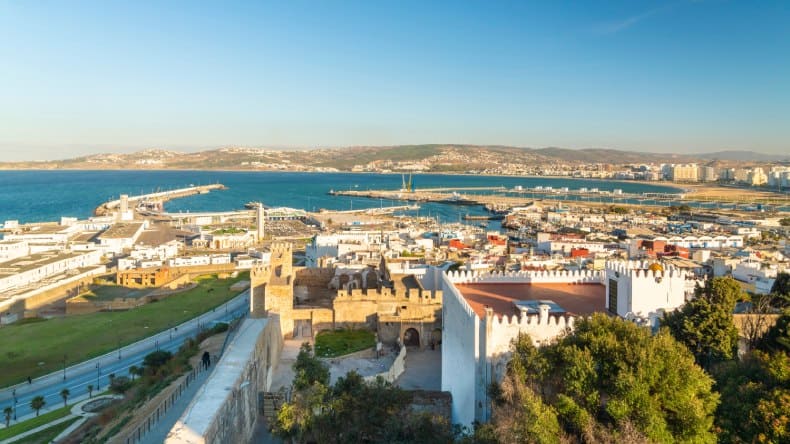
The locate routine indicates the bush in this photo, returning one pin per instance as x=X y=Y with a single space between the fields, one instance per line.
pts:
x=120 y=384
x=157 y=359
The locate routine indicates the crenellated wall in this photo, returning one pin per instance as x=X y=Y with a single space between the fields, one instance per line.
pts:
x=460 y=351
x=528 y=277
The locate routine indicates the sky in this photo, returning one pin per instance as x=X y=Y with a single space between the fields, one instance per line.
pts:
x=79 y=77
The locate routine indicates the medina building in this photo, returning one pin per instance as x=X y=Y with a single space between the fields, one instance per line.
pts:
x=483 y=313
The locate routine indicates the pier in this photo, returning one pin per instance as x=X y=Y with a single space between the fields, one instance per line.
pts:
x=156 y=200
x=498 y=199
x=374 y=211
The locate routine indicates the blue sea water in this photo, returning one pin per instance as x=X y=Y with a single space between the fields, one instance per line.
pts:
x=37 y=196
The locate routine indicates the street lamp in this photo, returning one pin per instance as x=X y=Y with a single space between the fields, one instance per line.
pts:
x=119 y=348
x=98 y=370
x=64 y=367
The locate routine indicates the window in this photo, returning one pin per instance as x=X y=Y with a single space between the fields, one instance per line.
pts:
x=613 y=296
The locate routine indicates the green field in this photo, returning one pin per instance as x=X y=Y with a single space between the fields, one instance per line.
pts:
x=37 y=348
x=329 y=344
x=32 y=423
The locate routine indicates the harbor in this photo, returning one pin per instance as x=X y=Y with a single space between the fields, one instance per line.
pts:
x=499 y=199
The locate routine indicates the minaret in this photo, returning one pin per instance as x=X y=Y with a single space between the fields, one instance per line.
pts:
x=260 y=222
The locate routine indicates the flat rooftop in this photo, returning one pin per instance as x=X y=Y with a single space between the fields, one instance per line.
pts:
x=33 y=261
x=576 y=299
x=121 y=231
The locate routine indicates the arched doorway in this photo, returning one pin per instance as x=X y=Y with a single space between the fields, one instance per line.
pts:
x=411 y=338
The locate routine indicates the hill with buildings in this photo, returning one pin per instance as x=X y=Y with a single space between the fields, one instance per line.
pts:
x=427 y=158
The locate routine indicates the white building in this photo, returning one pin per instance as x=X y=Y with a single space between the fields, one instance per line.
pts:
x=636 y=290
x=12 y=249
x=478 y=329
x=120 y=236
x=340 y=244
x=34 y=268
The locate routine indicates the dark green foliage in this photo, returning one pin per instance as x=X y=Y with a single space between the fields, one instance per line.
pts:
x=777 y=338
x=120 y=385
x=156 y=359
x=705 y=323
x=37 y=403
x=755 y=395
x=609 y=381
x=356 y=411
x=780 y=291
x=309 y=370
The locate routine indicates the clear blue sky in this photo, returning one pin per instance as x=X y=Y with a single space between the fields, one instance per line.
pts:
x=682 y=76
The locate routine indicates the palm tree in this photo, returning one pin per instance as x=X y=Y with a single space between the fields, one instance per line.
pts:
x=90 y=390
x=134 y=371
x=37 y=403
x=8 y=411
x=65 y=395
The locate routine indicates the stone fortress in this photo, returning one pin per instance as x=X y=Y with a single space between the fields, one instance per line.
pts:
x=308 y=300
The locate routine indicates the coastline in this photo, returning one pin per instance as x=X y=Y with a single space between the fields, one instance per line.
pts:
x=672 y=185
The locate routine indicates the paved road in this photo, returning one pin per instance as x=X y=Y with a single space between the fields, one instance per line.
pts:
x=96 y=371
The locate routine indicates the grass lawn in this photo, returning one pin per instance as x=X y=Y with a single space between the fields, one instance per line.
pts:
x=24 y=346
x=47 y=435
x=329 y=344
x=32 y=423
x=110 y=292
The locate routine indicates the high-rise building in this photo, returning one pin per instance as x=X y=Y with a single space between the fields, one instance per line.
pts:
x=707 y=174
x=684 y=172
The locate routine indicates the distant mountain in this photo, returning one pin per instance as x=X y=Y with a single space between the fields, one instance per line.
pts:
x=745 y=156
x=436 y=157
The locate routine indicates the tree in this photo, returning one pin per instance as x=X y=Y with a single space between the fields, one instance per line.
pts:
x=608 y=381
x=135 y=371
x=37 y=403
x=358 y=411
x=65 y=395
x=755 y=395
x=309 y=369
x=90 y=390
x=8 y=411
x=120 y=384
x=785 y=221
x=777 y=338
x=780 y=291
x=705 y=323
x=156 y=359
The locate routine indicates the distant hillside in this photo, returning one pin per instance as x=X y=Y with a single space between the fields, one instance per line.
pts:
x=436 y=157
x=745 y=156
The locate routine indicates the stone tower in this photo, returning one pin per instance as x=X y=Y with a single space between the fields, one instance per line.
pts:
x=272 y=287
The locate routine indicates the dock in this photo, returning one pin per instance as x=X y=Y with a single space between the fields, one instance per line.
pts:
x=500 y=199
x=156 y=199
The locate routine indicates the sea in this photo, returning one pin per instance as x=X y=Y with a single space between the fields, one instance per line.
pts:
x=40 y=196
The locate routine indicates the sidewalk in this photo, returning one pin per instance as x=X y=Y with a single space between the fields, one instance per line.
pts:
x=159 y=432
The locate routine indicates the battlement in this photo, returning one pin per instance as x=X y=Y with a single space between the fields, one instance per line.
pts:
x=524 y=320
x=385 y=294
x=641 y=270
x=528 y=277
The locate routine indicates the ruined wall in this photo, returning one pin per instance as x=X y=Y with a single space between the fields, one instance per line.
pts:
x=320 y=318
x=313 y=277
